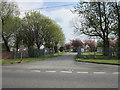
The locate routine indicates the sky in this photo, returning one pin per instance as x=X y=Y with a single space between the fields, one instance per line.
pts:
x=62 y=15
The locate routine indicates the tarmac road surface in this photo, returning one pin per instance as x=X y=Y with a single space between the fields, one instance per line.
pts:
x=59 y=72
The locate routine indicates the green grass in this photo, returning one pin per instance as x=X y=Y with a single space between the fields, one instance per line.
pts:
x=113 y=61
x=91 y=53
x=57 y=54
x=8 y=61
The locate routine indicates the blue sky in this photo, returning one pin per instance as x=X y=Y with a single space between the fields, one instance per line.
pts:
x=50 y=4
x=62 y=15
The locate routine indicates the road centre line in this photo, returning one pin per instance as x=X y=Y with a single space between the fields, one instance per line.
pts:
x=35 y=71
x=116 y=73
x=99 y=72
x=51 y=71
x=82 y=72
x=66 y=71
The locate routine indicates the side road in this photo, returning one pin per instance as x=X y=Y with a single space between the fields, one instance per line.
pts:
x=24 y=60
x=62 y=62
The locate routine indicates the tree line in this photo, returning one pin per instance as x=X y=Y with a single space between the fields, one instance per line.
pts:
x=33 y=29
x=91 y=44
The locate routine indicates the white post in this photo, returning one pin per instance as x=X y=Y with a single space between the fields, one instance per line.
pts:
x=21 y=55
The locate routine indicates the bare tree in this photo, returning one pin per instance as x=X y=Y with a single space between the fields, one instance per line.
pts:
x=98 y=21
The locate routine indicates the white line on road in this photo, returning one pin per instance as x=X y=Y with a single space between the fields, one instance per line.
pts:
x=99 y=72
x=116 y=73
x=35 y=71
x=82 y=72
x=66 y=71
x=51 y=71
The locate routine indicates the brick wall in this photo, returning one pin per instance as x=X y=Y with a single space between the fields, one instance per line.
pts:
x=7 y=55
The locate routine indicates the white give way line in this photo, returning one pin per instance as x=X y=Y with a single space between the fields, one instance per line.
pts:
x=76 y=72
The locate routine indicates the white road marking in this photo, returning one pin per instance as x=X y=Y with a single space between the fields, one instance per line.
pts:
x=82 y=72
x=35 y=71
x=51 y=71
x=76 y=72
x=116 y=73
x=66 y=71
x=99 y=72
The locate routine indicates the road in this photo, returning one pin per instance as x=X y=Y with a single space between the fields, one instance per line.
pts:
x=59 y=72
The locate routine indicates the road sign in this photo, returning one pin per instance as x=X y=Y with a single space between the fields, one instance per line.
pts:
x=21 y=49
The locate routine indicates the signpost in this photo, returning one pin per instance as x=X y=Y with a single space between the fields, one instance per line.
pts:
x=21 y=52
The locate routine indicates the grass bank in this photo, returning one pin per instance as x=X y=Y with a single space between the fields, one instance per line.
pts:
x=112 y=61
x=91 y=53
x=8 y=61
x=97 y=57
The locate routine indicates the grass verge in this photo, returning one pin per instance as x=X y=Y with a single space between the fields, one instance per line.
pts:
x=112 y=61
x=8 y=61
x=91 y=53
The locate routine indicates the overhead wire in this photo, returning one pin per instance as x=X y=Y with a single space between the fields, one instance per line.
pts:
x=47 y=7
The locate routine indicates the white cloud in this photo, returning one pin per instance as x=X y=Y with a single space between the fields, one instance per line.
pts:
x=29 y=5
x=46 y=0
x=64 y=18
x=25 y=6
x=27 y=0
x=63 y=0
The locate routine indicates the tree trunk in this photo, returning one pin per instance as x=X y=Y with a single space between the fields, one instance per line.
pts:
x=38 y=46
x=106 y=47
x=17 y=46
x=105 y=38
x=56 y=49
x=6 y=43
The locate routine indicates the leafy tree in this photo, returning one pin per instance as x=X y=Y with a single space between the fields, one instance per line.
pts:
x=98 y=21
x=91 y=43
x=41 y=30
x=58 y=37
x=28 y=30
x=7 y=13
x=33 y=26
x=117 y=13
x=28 y=33
x=54 y=36
x=76 y=43
x=67 y=46
x=38 y=26
x=49 y=32
x=17 y=37
x=113 y=43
